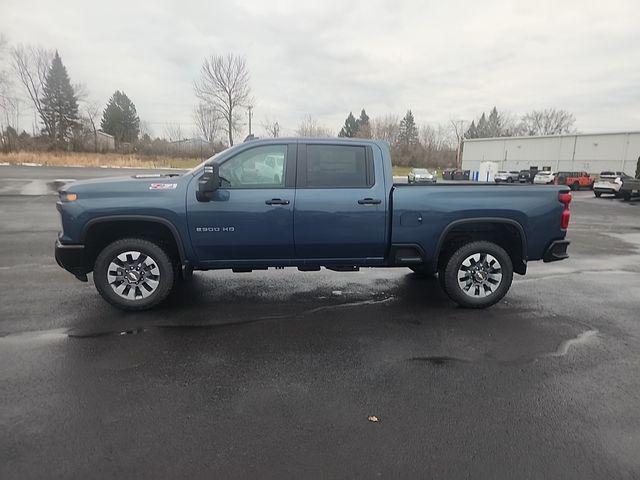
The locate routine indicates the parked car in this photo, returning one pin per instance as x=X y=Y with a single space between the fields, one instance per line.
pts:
x=525 y=176
x=508 y=177
x=545 y=177
x=337 y=207
x=629 y=187
x=575 y=180
x=421 y=175
x=609 y=182
x=456 y=174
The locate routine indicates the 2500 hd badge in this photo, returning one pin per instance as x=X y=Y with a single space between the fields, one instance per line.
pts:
x=215 y=229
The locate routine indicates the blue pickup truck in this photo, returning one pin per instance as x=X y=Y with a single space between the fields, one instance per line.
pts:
x=305 y=203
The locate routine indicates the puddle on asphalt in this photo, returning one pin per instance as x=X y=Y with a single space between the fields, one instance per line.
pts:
x=78 y=333
x=39 y=336
x=439 y=360
x=588 y=337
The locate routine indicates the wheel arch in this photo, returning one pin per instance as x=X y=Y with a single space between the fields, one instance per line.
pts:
x=120 y=226
x=518 y=254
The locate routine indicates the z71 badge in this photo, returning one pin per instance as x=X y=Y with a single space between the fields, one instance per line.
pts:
x=163 y=186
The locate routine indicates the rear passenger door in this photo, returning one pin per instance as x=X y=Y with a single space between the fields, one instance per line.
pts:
x=340 y=208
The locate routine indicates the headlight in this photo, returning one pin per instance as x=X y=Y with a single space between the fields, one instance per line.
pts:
x=68 y=197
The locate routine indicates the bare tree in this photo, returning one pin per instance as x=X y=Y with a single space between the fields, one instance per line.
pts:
x=145 y=129
x=224 y=86
x=309 y=127
x=458 y=128
x=549 y=121
x=386 y=128
x=271 y=127
x=207 y=122
x=91 y=111
x=173 y=132
x=8 y=104
x=31 y=64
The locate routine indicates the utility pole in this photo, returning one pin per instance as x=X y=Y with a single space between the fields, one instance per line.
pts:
x=250 y=108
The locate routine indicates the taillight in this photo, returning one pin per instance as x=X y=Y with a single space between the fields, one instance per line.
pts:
x=565 y=199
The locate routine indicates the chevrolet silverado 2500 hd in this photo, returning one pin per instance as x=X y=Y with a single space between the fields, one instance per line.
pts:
x=320 y=203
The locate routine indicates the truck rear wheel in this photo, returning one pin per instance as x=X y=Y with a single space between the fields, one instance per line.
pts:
x=478 y=275
x=133 y=274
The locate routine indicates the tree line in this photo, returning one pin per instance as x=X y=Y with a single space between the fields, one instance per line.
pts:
x=69 y=120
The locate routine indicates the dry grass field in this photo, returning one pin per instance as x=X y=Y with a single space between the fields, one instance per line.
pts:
x=82 y=159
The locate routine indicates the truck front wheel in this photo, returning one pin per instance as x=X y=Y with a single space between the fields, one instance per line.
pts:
x=477 y=275
x=133 y=274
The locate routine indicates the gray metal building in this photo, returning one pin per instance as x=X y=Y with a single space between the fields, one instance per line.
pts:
x=591 y=152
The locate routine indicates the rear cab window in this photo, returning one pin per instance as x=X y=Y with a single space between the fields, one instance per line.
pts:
x=336 y=166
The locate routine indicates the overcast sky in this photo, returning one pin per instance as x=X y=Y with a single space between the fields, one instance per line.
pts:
x=443 y=59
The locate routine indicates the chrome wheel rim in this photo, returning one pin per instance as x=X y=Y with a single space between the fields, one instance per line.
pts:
x=133 y=275
x=479 y=275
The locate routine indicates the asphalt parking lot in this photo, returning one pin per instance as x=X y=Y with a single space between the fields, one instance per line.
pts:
x=274 y=374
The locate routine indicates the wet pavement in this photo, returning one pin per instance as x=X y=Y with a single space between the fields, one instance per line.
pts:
x=275 y=374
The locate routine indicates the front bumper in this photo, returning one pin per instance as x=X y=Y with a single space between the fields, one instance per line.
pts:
x=556 y=251
x=73 y=259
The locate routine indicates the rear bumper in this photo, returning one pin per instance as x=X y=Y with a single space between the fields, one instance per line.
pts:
x=73 y=259
x=556 y=251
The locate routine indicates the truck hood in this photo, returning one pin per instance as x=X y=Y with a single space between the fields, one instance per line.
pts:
x=125 y=184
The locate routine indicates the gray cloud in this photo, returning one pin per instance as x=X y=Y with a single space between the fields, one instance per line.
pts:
x=442 y=59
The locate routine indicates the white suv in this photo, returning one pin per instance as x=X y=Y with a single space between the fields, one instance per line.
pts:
x=609 y=182
x=545 y=177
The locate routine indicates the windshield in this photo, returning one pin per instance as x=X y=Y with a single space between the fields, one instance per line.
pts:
x=420 y=170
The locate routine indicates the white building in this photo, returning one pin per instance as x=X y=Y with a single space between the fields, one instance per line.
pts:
x=592 y=152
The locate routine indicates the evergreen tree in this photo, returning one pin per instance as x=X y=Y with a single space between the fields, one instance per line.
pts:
x=482 y=129
x=350 y=128
x=408 y=130
x=364 y=127
x=494 y=125
x=472 y=131
x=120 y=118
x=638 y=169
x=59 y=102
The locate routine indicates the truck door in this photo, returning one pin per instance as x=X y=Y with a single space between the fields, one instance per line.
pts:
x=251 y=216
x=341 y=203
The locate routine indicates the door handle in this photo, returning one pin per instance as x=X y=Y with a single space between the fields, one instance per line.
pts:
x=277 y=201
x=369 y=201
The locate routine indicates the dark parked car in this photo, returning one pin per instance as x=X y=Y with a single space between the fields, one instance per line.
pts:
x=525 y=176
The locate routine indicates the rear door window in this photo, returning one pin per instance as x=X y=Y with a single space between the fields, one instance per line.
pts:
x=330 y=166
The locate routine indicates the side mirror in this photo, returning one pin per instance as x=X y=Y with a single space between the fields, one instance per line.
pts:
x=208 y=182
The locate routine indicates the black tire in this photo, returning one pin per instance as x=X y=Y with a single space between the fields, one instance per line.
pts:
x=453 y=268
x=626 y=196
x=509 y=180
x=156 y=255
x=597 y=194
